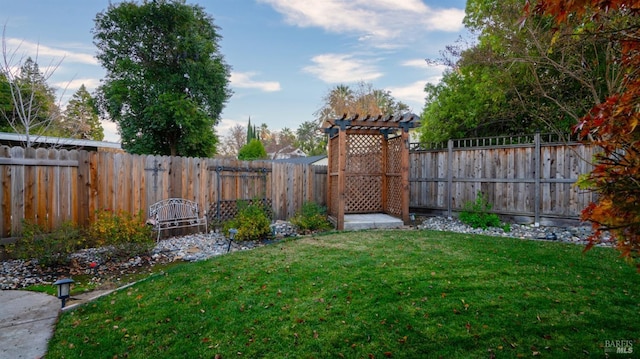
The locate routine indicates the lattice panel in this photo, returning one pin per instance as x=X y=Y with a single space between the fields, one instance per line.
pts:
x=394 y=196
x=364 y=154
x=224 y=210
x=362 y=194
x=394 y=155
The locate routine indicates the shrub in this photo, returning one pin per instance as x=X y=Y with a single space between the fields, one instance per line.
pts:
x=476 y=214
x=252 y=222
x=125 y=234
x=311 y=218
x=254 y=150
x=49 y=248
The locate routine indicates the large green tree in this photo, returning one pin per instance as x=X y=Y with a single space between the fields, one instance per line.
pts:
x=166 y=81
x=518 y=77
x=311 y=139
x=81 y=118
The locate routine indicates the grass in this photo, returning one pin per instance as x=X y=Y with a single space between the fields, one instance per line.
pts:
x=373 y=294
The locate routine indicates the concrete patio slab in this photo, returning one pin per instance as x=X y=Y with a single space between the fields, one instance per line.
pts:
x=354 y=222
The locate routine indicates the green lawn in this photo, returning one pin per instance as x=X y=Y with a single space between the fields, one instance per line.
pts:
x=373 y=294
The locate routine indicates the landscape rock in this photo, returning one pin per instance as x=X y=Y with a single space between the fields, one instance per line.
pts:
x=281 y=229
x=574 y=234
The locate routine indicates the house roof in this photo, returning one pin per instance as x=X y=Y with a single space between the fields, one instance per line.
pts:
x=16 y=139
x=301 y=160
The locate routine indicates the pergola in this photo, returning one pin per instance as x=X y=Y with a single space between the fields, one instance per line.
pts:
x=369 y=166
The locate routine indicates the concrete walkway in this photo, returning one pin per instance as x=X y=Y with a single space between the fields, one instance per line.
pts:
x=27 y=321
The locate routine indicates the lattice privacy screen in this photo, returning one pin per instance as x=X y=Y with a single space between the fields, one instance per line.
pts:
x=225 y=210
x=394 y=176
x=364 y=171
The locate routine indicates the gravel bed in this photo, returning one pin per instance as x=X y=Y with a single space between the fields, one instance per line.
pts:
x=575 y=234
x=16 y=274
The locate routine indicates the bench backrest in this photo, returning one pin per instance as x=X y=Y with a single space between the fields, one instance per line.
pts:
x=174 y=208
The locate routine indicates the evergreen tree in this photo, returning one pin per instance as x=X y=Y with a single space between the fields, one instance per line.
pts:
x=250 y=132
x=7 y=110
x=81 y=118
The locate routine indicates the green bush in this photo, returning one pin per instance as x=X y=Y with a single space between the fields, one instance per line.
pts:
x=252 y=222
x=51 y=249
x=476 y=214
x=124 y=234
x=254 y=150
x=311 y=218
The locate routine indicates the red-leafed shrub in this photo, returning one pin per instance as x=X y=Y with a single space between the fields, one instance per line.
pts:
x=613 y=124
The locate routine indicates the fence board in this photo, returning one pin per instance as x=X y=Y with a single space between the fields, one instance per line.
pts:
x=5 y=211
x=42 y=211
x=64 y=182
x=30 y=190
x=17 y=189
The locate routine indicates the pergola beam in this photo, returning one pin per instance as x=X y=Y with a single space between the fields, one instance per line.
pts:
x=404 y=122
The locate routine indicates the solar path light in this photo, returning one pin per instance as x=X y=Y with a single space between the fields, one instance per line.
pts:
x=64 y=289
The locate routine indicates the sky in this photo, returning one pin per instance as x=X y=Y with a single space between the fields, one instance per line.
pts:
x=285 y=55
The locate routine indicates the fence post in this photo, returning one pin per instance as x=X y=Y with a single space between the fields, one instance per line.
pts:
x=449 y=176
x=536 y=168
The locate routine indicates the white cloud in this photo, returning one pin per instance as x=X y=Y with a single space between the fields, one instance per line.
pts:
x=413 y=94
x=37 y=51
x=381 y=23
x=449 y=20
x=74 y=84
x=244 y=80
x=437 y=69
x=110 y=131
x=226 y=124
x=342 y=68
x=420 y=63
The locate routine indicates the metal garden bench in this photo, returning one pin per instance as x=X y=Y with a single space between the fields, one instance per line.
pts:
x=175 y=213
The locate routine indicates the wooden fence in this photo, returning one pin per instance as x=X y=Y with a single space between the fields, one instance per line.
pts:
x=530 y=178
x=49 y=186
